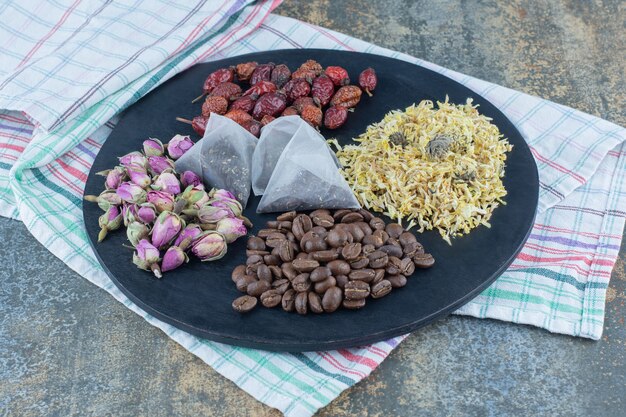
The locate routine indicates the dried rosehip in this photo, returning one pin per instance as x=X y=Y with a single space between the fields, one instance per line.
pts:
x=230 y=91
x=252 y=126
x=245 y=103
x=244 y=71
x=238 y=116
x=323 y=89
x=304 y=74
x=312 y=65
x=368 y=80
x=335 y=117
x=290 y=111
x=271 y=104
x=297 y=88
x=262 y=72
x=260 y=88
x=222 y=75
x=280 y=75
x=347 y=96
x=267 y=119
x=312 y=115
x=303 y=101
x=214 y=104
x=339 y=75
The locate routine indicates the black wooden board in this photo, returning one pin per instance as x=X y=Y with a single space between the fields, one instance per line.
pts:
x=197 y=297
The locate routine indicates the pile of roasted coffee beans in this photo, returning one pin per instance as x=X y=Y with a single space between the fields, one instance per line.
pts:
x=326 y=260
x=321 y=96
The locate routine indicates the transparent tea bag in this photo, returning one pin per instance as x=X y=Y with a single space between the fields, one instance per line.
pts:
x=223 y=157
x=306 y=175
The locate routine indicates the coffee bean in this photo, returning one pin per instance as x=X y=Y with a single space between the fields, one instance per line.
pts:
x=365 y=228
x=302 y=255
x=289 y=216
x=397 y=281
x=271 y=260
x=301 y=283
x=255 y=243
x=321 y=287
x=263 y=233
x=323 y=219
x=238 y=272
x=315 y=303
x=367 y=249
x=302 y=301
x=407 y=267
x=339 y=267
x=264 y=273
x=424 y=260
x=257 y=288
x=365 y=275
x=393 y=242
x=271 y=298
x=250 y=252
x=305 y=265
x=342 y=280
x=380 y=274
x=288 y=300
x=275 y=252
x=373 y=240
x=337 y=238
x=243 y=282
x=325 y=255
x=382 y=235
x=320 y=231
x=276 y=271
x=300 y=225
x=290 y=237
x=315 y=245
x=406 y=238
x=289 y=271
x=281 y=285
x=320 y=274
x=340 y=213
x=275 y=239
x=352 y=217
x=391 y=250
x=356 y=232
x=283 y=226
x=332 y=299
x=285 y=251
x=412 y=248
x=353 y=304
x=394 y=230
x=244 y=303
x=381 y=289
x=356 y=290
x=378 y=259
x=253 y=262
x=377 y=223
x=351 y=251
x=367 y=216
x=272 y=224
x=394 y=266
x=286 y=226
x=359 y=263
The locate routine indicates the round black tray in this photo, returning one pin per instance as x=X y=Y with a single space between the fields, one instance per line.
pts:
x=197 y=297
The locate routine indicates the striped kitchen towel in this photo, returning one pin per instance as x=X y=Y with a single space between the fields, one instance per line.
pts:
x=69 y=69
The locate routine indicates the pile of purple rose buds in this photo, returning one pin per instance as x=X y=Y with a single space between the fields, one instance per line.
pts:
x=167 y=215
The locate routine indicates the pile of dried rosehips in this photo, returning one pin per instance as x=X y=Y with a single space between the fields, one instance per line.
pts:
x=318 y=95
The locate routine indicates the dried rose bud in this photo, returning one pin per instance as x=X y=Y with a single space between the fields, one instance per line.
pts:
x=158 y=164
x=178 y=145
x=114 y=177
x=195 y=196
x=173 y=258
x=209 y=246
x=109 y=221
x=129 y=213
x=231 y=204
x=135 y=157
x=146 y=213
x=219 y=194
x=131 y=193
x=188 y=178
x=162 y=201
x=231 y=228
x=209 y=214
x=138 y=175
x=167 y=182
x=166 y=228
x=187 y=236
x=153 y=147
x=106 y=199
x=136 y=231
x=147 y=257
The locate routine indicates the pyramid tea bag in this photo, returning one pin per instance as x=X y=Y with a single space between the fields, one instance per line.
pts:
x=223 y=157
x=306 y=175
